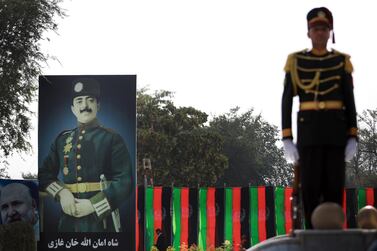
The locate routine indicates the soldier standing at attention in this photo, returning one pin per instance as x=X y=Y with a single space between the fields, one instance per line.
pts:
x=326 y=121
x=82 y=157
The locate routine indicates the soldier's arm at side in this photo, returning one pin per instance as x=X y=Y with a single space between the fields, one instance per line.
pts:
x=349 y=102
x=120 y=176
x=286 y=108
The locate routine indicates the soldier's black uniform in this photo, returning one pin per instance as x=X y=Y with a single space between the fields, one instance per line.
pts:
x=327 y=118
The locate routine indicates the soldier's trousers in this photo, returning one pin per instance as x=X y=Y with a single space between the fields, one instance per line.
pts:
x=322 y=177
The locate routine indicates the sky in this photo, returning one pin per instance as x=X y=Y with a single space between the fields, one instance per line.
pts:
x=213 y=55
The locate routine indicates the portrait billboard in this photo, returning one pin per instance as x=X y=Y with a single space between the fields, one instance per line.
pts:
x=86 y=162
x=19 y=202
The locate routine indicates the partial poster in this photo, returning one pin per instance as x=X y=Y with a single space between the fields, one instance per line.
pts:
x=87 y=151
x=19 y=202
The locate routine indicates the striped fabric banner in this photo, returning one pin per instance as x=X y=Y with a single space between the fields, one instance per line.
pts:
x=370 y=196
x=180 y=218
x=283 y=209
x=157 y=211
x=365 y=197
x=233 y=217
x=361 y=198
x=157 y=214
x=207 y=218
x=149 y=218
x=257 y=214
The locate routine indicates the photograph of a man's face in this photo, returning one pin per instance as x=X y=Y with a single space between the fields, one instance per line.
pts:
x=19 y=202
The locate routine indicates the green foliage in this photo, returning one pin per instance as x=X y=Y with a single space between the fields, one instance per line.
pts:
x=182 y=150
x=250 y=145
x=22 y=24
x=362 y=170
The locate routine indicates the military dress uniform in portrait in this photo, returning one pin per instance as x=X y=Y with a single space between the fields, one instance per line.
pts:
x=326 y=120
x=88 y=168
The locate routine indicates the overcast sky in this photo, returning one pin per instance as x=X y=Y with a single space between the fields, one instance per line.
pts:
x=213 y=54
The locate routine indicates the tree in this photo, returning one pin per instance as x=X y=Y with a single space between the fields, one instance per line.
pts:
x=3 y=169
x=182 y=150
x=22 y=24
x=29 y=176
x=250 y=145
x=362 y=170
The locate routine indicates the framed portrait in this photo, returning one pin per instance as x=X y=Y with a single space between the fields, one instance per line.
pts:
x=86 y=158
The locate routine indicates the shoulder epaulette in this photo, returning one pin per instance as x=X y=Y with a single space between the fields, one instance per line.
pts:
x=347 y=58
x=290 y=59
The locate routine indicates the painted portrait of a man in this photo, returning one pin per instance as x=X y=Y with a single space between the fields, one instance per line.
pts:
x=88 y=169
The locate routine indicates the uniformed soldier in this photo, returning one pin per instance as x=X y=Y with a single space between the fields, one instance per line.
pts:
x=326 y=121
x=82 y=157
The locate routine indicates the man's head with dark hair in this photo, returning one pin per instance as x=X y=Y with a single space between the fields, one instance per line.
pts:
x=85 y=99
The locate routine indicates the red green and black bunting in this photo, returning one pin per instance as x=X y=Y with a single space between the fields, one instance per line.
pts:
x=149 y=218
x=157 y=214
x=262 y=214
x=257 y=214
x=283 y=210
x=193 y=216
x=180 y=219
x=207 y=218
x=365 y=197
x=232 y=219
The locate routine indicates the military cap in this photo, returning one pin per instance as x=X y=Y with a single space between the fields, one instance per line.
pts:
x=85 y=87
x=320 y=16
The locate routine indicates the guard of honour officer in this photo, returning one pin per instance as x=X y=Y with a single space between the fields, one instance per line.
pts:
x=326 y=121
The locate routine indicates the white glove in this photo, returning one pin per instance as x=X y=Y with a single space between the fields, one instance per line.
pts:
x=351 y=148
x=290 y=150
x=83 y=207
x=67 y=201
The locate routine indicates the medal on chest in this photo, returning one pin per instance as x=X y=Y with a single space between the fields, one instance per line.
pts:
x=65 y=169
x=68 y=145
x=66 y=150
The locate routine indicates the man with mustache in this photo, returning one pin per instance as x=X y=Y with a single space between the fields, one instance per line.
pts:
x=17 y=204
x=94 y=164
